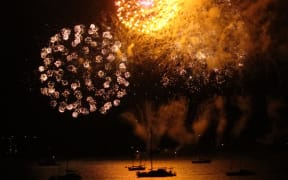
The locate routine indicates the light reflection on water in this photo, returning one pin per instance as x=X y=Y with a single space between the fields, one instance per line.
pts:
x=185 y=169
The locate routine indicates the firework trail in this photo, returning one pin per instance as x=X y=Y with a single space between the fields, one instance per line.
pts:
x=84 y=70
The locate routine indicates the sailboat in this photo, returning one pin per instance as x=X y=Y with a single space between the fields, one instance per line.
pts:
x=68 y=175
x=49 y=161
x=136 y=167
x=200 y=158
x=140 y=166
x=159 y=172
x=239 y=171
x=49 y=158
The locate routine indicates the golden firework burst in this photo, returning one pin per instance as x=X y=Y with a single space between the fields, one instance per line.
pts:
x=146 y=16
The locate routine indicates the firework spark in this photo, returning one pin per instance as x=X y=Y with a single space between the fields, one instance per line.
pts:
x=205 y=41
x=83 y=70
x=146 y=16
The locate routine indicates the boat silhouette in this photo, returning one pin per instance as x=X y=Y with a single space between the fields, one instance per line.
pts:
x=140 y=166
x=136 y=167
x=69 y=174
x=200 y=158
x=50 y=161
x=200 y=161
x=159 y=172
x=240 y=172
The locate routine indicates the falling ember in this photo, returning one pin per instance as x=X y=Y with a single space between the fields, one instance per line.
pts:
x=81 y=69
x=146 y=16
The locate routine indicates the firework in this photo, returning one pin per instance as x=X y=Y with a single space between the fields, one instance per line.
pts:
x=146 y=16
x=204 y=42
x=211 y=48
x=84 y=70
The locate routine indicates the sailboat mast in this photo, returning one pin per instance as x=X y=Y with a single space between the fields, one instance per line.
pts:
x=151 y=162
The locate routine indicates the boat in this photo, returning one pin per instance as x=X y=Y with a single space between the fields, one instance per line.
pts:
x=69 y=175
x=51 y=161
x=159 y=172
x=200 y=158
x=138 y=167
x=201 y=161
x=240 y=172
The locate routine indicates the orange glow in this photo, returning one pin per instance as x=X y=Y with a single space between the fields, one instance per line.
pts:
x=146 y=16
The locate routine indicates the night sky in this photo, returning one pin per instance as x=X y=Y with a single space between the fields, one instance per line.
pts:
x=28 y=26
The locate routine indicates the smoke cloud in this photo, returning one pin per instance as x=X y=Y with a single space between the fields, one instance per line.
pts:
x=166 y=119
x=244 y=105
x=267 y=23
x=275 y=113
